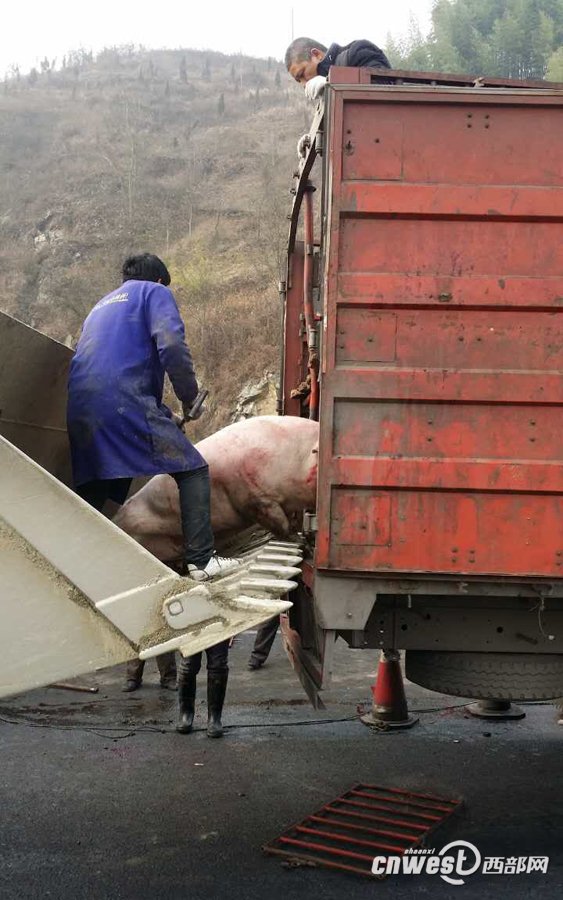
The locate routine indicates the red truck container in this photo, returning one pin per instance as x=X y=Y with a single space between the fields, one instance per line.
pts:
x=423 y=329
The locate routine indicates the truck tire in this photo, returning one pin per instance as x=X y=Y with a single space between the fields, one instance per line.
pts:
x=495 y=676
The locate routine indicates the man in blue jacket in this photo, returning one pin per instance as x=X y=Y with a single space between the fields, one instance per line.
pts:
x=118 y=426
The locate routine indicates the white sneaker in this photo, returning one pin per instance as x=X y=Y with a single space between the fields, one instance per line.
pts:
x=217 y=565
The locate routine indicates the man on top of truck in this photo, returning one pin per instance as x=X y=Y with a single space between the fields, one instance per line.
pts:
x=308 y=61
x=118 y=426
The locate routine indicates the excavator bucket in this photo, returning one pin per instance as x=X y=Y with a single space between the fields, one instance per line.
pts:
x=78 y=594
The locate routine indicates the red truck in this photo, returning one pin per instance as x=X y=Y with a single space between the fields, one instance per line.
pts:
x=423 y=330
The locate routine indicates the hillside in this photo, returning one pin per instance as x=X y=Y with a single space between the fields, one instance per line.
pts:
x=183 y=153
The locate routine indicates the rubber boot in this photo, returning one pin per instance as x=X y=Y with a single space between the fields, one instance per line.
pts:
x=216 y=688
x=135 y=668
x=186 y=700
x=167 y=667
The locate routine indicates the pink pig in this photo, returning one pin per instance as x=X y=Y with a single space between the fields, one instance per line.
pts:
x=263 y=471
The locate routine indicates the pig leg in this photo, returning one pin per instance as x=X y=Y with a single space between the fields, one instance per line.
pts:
x=270 y=515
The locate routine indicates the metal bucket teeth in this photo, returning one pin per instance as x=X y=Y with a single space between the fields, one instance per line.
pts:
x=274 y=570
x=268 y=608
x=284 y=545
x=215 y=610
x=267 y=586
x=279 y=559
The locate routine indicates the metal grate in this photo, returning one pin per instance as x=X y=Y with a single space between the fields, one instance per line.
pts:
x=366 y=821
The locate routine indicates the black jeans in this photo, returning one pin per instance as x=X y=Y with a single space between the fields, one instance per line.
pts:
x=195 y=508
x=217 y=662
x=166 y=663
x=265 y=637
x=195 y=511
x=97 y=492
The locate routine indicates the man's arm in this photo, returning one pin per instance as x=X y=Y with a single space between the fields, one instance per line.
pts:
x=364 y=53
x=167 y=331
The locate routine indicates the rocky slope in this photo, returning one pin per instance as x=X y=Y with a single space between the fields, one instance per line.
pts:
x=183 y=153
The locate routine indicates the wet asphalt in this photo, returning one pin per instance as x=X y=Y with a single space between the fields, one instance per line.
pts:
x=100 y=798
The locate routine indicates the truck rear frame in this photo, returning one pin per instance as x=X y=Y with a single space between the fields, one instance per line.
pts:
x=431 y=310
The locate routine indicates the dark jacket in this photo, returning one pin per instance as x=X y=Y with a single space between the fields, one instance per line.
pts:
x=359 y=54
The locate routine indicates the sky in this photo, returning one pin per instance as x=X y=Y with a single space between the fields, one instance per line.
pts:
x=34 y=29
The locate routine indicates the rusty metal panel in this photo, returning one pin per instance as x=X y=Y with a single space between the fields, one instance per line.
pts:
x=349 y=75
x=447 y=531
x=294 y=367
x=33 y=392
x=467 y=339
x=442 y=388
x=449 y=246
x=467 y=143
x=410 y=430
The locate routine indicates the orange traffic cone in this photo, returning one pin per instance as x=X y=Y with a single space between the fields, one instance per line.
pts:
x=389 y=710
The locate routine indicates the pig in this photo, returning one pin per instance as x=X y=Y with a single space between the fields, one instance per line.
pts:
x=263 y=472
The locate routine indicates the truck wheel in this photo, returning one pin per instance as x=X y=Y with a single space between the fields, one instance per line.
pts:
x=499 y=676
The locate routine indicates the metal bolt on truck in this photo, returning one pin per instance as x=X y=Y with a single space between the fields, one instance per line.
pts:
x=422 y=328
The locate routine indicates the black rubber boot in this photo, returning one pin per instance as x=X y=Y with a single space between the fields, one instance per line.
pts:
x=167 y=667
x=265 y=637
x=186 y=699
x=216 y=688
x=135 y=668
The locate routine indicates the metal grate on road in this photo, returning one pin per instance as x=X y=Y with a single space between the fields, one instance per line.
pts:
x=366 y=821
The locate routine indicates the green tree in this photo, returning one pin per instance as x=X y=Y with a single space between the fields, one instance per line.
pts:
x=505 y=38
x=221 y=105
x=555 y=66
x=183 y=70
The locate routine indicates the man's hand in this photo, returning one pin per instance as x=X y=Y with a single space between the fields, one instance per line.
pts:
x=189 y=416
x=314 y=87
x=197 y=415
x=303 y=144
x=179 y=421
x=194 y=411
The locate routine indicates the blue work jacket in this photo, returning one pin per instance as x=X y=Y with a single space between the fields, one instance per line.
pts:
x=118 y=425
